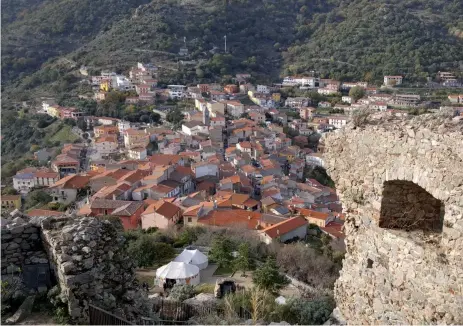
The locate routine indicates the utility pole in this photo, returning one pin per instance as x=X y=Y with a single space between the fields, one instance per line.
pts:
x=225 y=38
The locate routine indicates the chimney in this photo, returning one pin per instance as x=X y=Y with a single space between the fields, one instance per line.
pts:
x=278 y=231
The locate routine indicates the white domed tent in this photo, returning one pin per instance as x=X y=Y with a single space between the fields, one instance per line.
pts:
x=194 y=257
x=177 y=273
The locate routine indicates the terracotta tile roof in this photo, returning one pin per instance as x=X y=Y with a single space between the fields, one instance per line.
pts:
x=334 y=229
x=284 y=227
x=233 y=179
x=192 y=211
x=248 y=168
x=271 y=192
x=134 y=176
x=65 y=159
x=251 y=202
x=128 y=209
x=42 y=212
x=72 y=182
x=313 y=214
x=164 y=159
x=121 y=207
x=84 y=210
x=164 y=208
x=162 y=189
x=232 y=217
x=46 y=174
x=10 y=197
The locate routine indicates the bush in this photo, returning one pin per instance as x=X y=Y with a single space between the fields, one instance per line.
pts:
x=146 y=251
x=308 y=265
x=304 y=312
x=181 y=292
x=204 y=288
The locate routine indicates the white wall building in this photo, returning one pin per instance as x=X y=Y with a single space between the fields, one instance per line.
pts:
x=337 y=121
x=177 y=91
x=392 y=80
x=137 y=153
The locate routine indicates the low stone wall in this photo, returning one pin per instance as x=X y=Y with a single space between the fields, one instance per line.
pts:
x=92 y=267
x=21 y=245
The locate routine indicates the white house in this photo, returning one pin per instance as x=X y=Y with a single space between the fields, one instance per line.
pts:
x=106 y=145
x=314 y=159
x=392 y=80
x=137 y=153
x=327 y=91
x=347 y=99
x=205 y=169
x=123 y=126
x=23 y=182
x=289 y=229
x=194 y=127
x=235 y=108
x=177 y=91
x=338 y=121
x=263 y=89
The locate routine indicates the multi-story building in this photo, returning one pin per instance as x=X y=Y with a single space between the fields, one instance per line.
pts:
x=235 y=108
x=297 y=102
x=338 y=121
x=177 y=91
x=106 y=145
x=135 y=138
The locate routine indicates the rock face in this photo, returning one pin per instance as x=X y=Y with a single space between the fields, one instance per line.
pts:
x=92 y=267
x=401 y=185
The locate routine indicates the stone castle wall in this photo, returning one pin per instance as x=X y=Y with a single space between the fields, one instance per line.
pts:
x=401 y=185
x=87 y=257
x=92 y=267
x=21 y=246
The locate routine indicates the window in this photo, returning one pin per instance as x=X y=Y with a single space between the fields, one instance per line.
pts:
x=407 y=206
x=190 y=220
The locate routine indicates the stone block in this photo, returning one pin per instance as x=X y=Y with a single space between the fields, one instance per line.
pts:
x=68 y=267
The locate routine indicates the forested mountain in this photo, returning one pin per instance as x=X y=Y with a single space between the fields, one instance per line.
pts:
x=338 y=38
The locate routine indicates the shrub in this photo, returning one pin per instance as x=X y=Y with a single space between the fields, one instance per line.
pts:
x=181 y=292
x=304 y=312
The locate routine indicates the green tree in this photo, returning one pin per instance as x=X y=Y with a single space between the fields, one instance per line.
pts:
x=37 y=197
x=357 y=92
x=146 y=251
x=269 y=278
x=221 y=251
x=9 y=191
x=243 y=261
x=175 y=116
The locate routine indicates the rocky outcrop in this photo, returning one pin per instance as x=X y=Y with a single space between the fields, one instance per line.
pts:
x=401 y=185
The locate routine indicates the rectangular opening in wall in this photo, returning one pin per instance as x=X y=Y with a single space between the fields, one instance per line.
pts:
x=407 y=206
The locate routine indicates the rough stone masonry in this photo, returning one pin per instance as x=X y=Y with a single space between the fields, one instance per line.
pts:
x=401 y=185
x=89 y=261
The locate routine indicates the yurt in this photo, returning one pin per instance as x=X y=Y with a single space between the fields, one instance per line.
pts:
x=177 y=273
x=194 y=257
